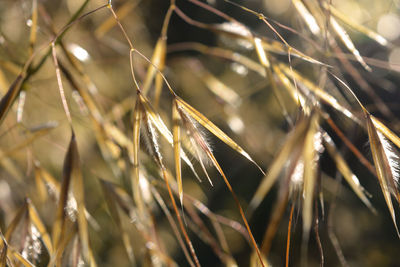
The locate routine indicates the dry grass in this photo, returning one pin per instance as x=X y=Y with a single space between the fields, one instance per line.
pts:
x=108 y=169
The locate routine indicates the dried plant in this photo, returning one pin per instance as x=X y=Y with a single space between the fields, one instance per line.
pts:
x=111 y=170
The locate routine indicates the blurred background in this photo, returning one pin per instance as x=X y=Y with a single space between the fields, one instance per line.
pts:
x=36 y=131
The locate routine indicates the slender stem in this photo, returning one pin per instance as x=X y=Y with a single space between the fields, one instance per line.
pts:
x=318 y=239
x=350 y=145
x=159 y=72
x=174 y=227
x=196 y=260
x=120 y=25
x=60 y=84
x=288 y=235
x=167 y=19
x=132 y=71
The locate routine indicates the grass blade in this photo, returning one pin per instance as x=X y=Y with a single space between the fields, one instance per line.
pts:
x=21 y=258
x=358 y=27
x=262 y=56
x=319 y=92
x=279 y=48
x=72 y=177
x=106 y=133
x=297 y=97
x=32 y=36
x=48 y=180
x=37 y=222
x=137 y=117
x=200 y=118
x=308 y=18
x=197 y=142
x=344 y=169
x=163 y=129
x=79 y=194
x=3 y=82
x=310 y=156
x=383 y=129
x=294 y=138
x=344 y=37
x=3 y=254
x=218 y=167
x=177 y=148
x=22 y=212
x=158 y=59
x=280 y=205
x=59 y=223
x=150 y=118
x=40 y=184
x=9 y=98
x=382 y=166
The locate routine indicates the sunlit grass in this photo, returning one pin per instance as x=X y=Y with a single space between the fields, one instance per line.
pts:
x=134 y=130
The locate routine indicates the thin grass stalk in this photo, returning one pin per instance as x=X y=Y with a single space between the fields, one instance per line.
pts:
x=289 y=232
x=182 y=226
